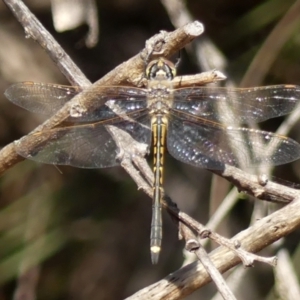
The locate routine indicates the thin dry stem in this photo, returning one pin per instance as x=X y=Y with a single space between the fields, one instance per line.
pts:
x=264 y=232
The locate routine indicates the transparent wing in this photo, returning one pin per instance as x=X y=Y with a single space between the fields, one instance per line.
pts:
x=84 y=146
x=47 y=99
x=40 y=98
x=230 y=105
x=211 y=145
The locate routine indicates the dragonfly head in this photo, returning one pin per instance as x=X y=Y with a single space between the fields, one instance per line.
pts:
x=160 y=69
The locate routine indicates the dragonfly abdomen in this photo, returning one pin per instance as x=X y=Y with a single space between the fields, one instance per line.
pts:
x=159 y=125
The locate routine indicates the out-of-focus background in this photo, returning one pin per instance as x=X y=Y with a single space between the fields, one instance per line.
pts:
x=87 y=231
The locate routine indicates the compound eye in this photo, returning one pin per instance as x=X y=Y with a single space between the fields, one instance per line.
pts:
x=153 y=71
x=169 y=72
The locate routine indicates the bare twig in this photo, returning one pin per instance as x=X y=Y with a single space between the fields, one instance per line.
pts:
x=246 y=257
x=198 y=79
x=252 y=185
x=195 y=247
x=264 y=232
x=234 y=280
x=192 y=245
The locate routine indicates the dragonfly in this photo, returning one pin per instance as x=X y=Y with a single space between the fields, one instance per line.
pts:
x=193 y=123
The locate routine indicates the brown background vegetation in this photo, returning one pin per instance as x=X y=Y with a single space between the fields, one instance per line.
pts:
x=89 y=229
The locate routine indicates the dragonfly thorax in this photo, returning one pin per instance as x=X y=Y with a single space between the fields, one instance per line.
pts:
x=160 y=96
x=160 y=73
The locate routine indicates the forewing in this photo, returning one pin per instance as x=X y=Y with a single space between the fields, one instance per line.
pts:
x=47 y=99
x=231 y=105
x=211 y=145
x=42 y=98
